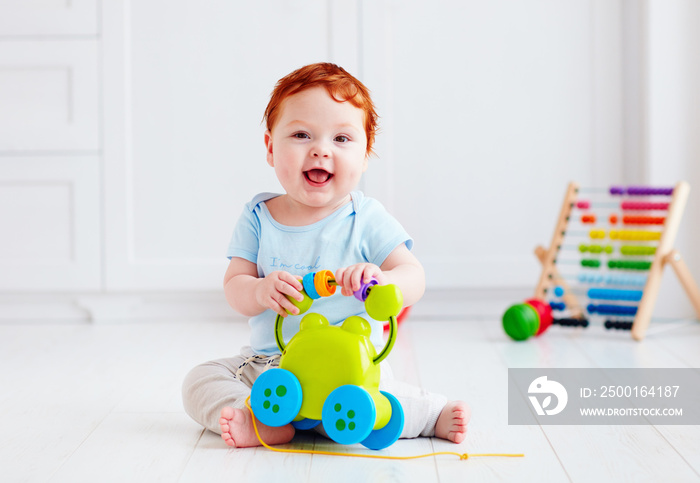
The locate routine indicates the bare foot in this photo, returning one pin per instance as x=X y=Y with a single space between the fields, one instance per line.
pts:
x=452 y=422
x=237 y=430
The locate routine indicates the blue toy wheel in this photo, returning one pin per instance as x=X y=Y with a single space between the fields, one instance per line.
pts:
x=348 y=414
x=386 y=436
x=276 y=397
x=305 y=424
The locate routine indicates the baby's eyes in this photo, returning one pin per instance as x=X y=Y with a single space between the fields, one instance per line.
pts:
x=341 y=138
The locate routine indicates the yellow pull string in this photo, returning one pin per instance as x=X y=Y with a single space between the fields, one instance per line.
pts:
x=461 y=456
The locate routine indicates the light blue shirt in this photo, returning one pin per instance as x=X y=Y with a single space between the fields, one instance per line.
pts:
x=358 y=232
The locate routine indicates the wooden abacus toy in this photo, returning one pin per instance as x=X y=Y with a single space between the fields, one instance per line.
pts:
x=621 y=248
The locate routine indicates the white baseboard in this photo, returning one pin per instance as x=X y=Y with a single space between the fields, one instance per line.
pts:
x=163 y=307
x=469 y=302
x=115 y=308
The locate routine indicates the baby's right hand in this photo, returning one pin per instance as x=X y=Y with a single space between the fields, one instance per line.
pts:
x=272 y=290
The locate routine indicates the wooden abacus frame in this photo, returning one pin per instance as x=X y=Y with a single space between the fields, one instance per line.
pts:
x=665 y=253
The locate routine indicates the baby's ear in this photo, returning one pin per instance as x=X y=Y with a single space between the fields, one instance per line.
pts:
x=268 y=148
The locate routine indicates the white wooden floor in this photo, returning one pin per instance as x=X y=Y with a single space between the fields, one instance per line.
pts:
x=99 y=403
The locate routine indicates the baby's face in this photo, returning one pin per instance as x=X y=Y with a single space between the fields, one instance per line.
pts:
x=318 y=148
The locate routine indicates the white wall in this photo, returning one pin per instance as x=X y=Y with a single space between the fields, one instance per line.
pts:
x=130 y=132
x=489 y=111
x=673 y=123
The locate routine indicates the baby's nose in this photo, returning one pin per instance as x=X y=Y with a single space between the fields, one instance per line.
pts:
x=320 y=150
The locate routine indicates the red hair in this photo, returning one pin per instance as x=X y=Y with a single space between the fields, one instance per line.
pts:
x=341 y=86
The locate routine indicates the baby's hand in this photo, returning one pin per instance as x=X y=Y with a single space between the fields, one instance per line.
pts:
x=351 y=278
x=272 y=290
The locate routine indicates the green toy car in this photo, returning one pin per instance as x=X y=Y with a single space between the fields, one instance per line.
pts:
x=330 y=374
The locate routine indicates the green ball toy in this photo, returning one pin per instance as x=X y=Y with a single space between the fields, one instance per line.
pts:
x=521 y=321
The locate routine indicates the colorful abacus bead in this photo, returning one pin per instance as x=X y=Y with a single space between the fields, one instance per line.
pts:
x=590 y=278
x=614 y=294
x=618 y=324
x=648 y=191
x=362 y=293
x=637 y=250
x=590 y=263
x=557 y=305
x=643 y=220
x=322 y=283
x=643 y=206
x=571 y=322
x=309 y=286
x=609 y=309
x=636 y=235
x=629 y=265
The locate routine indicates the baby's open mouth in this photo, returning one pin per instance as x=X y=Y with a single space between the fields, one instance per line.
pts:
x=318 y=176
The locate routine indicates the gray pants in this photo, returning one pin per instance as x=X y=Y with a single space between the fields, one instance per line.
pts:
x=211 y=386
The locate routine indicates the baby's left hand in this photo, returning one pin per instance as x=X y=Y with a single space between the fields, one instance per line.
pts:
x=351 y=278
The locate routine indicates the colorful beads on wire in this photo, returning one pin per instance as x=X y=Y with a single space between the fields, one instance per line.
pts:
x=648 y=191
x=612 y=279
x=626 y=227
x=310 y=286
x=625 y=279
x=637 y=250
x=632 y=235
x=643 y=206
x=590 y=263
x=640 y=191
x=319 y=284
x=635 y=235
x=362 y=293
x=583 y=248
x=643 y=220
x=614 y=294
x=322 y=283
x=628 y=265
x=618 y=324
x=557 y=305
x=571 y=322
x=585 y=277
x=609 y=309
